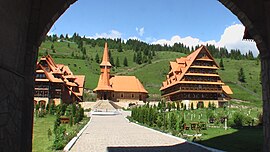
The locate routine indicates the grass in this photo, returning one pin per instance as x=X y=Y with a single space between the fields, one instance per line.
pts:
x=152 y=75
x=236 y=140
x=245 y=138
x=41 y=142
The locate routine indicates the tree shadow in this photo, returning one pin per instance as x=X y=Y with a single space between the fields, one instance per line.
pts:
x=248 y=139
x=183 y=147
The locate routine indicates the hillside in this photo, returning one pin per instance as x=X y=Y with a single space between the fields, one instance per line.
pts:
x=151 y=75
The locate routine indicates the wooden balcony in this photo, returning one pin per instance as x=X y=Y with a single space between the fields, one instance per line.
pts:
x=196 y=89
x=204 y=67
x=202 y=74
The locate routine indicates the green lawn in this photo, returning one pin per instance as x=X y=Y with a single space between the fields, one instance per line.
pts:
x=235 y=140
x=41 y=143
x=238 y=139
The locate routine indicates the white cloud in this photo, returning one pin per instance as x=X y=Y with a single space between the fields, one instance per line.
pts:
x=112 y=34
x=231 y=39
x=140 y=31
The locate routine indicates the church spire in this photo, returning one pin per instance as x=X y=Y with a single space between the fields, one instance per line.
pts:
x=106 y=78
x=106 y=58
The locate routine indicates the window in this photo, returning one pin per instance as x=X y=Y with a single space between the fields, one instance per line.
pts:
x=113 y=95
x=122 y=95
x=132 y=95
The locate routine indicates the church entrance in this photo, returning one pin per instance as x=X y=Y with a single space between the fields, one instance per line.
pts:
x=105 y=96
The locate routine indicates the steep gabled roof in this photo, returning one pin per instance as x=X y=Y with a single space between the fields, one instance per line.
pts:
x=80 y=80
x=183 y=64
x=61 y=69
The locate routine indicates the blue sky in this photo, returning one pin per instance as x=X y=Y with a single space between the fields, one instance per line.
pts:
x=155 y=21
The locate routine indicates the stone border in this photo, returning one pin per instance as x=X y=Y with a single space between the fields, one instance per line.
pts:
x=74 y=139
x=177 y=138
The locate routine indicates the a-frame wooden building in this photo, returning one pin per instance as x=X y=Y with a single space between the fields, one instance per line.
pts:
x=194 y=79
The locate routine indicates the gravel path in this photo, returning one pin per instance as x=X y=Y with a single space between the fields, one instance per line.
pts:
x=116 y=134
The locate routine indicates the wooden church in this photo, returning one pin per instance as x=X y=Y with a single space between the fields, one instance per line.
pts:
x=118 y=88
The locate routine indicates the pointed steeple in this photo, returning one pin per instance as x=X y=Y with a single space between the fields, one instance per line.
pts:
x=106 y=58
x=106 y=78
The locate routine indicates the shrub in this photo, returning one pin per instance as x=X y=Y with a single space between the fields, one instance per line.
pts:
x=248 y=120
x=49 y=133
x=59 y=141
x=169 y=106
x=238 y=119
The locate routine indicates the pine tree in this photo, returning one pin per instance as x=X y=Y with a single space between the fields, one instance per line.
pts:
x=61 y=36
x=120 y=48
x=117 y=62
x=221 y=64
x=139 y=58
x=153 y=53
x=125 y=63
x=134 y=57
x=66 y=37
x=112 y=61
x=241 y=75
x=144 y=60
x=52 y=48
x=97 y=58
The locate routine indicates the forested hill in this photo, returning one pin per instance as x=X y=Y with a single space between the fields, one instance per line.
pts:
x=150 y=63
x=146 y=49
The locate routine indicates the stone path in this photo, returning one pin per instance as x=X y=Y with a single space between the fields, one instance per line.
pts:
x=116 y=134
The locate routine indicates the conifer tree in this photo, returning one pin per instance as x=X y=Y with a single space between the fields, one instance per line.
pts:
x=241 y=75
x=117 y=64
x=139 y=58
x=144 y=60
x=221 y=64
x=52 y=48
x=62 y=36
x=67 y=37
x=134 y=57
x=120 y=48
x=153 y=53
x=112 y=61
x=125 y=63
x=97 y=58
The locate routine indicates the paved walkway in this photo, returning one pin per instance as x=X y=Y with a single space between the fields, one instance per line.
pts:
x=116 y=134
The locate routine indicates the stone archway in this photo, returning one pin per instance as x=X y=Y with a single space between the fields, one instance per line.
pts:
x=24 y=23
x=256 y=19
